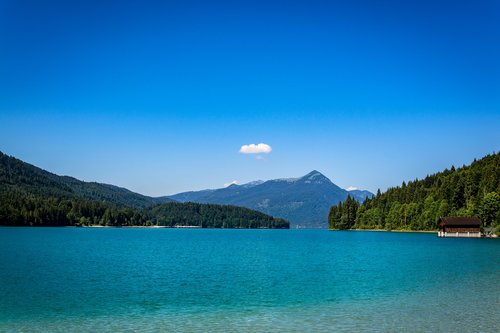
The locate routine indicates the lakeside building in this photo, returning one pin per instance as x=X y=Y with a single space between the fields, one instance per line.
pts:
x=459 y=227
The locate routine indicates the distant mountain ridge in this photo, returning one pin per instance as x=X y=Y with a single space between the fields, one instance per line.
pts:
x=304 y=201
x=360 y=195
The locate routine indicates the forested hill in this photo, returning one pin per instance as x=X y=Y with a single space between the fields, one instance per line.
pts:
x=472 y=190
x=212 y=216
x=19 y=176
x=30 y=196
x=18 y=209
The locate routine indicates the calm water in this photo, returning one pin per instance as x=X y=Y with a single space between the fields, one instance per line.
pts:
x=71 y=279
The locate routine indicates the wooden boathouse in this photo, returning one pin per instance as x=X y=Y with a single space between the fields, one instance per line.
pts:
x=459 y=227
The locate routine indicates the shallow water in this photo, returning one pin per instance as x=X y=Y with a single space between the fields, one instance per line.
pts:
x=89 y=279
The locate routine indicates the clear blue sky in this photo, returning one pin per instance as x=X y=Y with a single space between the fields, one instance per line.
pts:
x=159 y=96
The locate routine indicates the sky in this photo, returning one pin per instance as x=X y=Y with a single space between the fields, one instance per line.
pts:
x=164 y=97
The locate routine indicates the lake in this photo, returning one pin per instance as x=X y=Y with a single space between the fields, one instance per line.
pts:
x=150 y=280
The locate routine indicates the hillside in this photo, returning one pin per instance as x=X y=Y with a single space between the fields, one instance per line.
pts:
x=303 y=201
x=212 y=216
x=472 y=190
x=19 y=176
x=30 y=196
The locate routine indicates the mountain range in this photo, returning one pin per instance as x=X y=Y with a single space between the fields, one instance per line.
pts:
x=304 y=201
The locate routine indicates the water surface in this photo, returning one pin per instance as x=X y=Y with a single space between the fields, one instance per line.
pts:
x=89 y=279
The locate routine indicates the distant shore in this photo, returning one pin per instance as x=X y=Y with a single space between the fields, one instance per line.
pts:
x=140 y=226
x=133 y=227
x=111 y=226
x=382 y=230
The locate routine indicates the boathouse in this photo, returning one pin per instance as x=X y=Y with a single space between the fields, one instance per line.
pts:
x=459 y=227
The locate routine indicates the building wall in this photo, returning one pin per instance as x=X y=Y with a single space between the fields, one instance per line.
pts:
x=461 y=229
x=476 y=234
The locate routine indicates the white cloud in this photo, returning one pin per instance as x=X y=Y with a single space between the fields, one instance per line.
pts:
x=352 y=188
x=234 y=182
x=253 y=148
x=259 y=158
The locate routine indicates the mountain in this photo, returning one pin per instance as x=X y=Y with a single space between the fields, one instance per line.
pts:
x=360 y=195
x=472 y=191
x=30 y=196
x=21 y=176
x=303 y=201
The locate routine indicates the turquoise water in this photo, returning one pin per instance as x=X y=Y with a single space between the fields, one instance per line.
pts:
x=90 y=279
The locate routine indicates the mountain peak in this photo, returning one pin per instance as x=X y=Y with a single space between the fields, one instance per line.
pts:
x=314 y=172
x=305 y=201
x=315 y=177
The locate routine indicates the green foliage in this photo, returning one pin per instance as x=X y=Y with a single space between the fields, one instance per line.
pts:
x=343 y=216
x=467 y=191
x=490 y=209
x=20 y=209
x=212 y=216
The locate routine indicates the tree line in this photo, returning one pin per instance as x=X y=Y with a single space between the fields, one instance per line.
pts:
x=24 y=209
x=472 y=190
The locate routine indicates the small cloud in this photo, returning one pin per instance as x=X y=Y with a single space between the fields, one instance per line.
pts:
x=259 y=158
x=253 y=148
x=234 y=182
x=352 y=188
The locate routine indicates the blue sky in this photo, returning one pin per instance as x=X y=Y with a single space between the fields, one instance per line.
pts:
x=159 y=97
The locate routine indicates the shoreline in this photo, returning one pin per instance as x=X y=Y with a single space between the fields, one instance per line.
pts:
x=382 y=230
x=139 y=226
x=132 y=227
